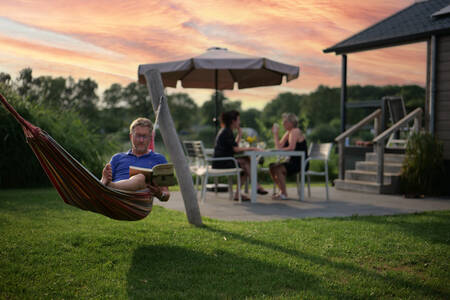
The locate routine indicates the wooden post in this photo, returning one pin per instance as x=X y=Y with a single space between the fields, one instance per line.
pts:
x=377 y=125
x=173 y=145
x=418 y=123
x=342 y=159
x=379 y=146
x=343 y=116
x=343 y=92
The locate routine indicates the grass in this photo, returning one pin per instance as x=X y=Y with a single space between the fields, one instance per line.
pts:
x=49 y=250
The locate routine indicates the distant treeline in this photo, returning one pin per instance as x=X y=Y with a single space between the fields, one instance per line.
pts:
x=92 y=128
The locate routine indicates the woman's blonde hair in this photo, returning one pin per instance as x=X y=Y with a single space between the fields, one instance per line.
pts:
x=144 y=122
x=291 y=118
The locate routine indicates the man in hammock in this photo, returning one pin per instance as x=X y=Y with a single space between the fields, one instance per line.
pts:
x=116 y=173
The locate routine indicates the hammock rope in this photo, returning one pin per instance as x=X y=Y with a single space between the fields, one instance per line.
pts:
x=151 y=146
x=76 y=185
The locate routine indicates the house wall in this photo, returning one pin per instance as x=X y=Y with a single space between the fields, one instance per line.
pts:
x=442 y=101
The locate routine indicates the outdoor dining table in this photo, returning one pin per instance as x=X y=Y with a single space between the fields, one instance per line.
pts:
x=254 y=170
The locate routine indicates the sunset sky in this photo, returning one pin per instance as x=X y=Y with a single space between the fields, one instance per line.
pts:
x=106 y=40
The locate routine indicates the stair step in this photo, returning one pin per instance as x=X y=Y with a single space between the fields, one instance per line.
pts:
x=357 y=186
x=388 y=157
x=372 y=166
x=364 y=186
x=370 y=176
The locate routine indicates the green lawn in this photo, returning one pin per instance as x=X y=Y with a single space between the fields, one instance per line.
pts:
x=49 y=250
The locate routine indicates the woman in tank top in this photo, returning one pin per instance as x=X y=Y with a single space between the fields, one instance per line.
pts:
x=227 y=145
x=292 y=140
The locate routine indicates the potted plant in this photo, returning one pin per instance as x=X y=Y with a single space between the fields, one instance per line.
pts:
x=423 y=171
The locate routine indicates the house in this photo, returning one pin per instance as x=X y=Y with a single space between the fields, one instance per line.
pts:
x=423 y=21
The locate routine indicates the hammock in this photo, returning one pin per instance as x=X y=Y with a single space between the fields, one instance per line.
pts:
x=75 y=184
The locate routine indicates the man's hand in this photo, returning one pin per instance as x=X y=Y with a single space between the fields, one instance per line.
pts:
x=106 y=174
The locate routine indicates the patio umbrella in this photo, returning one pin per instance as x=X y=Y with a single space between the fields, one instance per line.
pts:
x=220 y=69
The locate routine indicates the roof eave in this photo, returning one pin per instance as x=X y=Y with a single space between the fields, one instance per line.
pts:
x=391 y=42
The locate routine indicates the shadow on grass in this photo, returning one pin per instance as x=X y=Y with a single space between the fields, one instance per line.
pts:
x=376 y=278
x=163 y=272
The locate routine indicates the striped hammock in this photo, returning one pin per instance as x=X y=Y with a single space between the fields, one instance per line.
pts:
x=75 y=184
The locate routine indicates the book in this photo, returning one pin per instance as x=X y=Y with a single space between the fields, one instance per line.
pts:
x=161 y=175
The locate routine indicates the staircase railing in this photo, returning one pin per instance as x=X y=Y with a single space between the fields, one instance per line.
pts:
x=380 y=140
x=376 y=117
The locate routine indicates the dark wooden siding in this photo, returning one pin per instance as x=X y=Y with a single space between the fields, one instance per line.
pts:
x=442 y=104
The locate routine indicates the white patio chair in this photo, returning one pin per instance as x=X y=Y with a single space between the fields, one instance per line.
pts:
x=200 y=165
x=317 y=152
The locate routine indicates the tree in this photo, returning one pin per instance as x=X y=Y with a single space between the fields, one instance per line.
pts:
x=5 y=78
x=113 y=96
x=24 y=84
x=112 y=118
x=232 y=105
x=184 y=111
x=285 y=102
x=208 y=108
x=50 y=91
x=249 y=117
x=138 y=99
x=321 y=106
x=84 y=99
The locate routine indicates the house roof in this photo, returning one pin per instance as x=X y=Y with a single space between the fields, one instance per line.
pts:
x=412 y=24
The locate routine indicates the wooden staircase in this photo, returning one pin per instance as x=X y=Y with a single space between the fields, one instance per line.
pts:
x=364 y=177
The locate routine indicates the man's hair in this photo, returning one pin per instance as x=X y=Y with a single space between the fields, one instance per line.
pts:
x=290 y=117
x=228 y=117
x=144 y=122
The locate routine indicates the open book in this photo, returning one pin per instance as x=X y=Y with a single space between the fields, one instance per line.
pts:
x=161 y=175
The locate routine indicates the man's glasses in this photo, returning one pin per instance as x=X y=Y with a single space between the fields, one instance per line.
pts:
x=141 y=136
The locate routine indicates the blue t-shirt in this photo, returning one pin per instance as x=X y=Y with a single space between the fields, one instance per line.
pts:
x=121 y=162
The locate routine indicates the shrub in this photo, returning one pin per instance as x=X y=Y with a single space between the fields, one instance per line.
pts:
x=423 y=170
x=323 y=133
x=19 y=166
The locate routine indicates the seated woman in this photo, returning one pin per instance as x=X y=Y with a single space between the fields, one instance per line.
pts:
x=227 y=145
x=292 y=140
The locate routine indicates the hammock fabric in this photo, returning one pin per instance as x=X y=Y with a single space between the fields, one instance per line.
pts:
x=75 y=184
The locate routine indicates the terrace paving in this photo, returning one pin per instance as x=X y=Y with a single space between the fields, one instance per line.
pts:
x=341 y=204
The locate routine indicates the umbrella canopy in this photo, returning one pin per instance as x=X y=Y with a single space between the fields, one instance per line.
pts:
x=220 y=69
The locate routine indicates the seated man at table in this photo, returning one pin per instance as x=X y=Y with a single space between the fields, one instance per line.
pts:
x=227 y=145
x=292 y=140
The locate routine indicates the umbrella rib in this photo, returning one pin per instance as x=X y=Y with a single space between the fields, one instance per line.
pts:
x=188 y=71
x=232 y=76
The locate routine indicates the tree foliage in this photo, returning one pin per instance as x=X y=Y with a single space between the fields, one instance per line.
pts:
x=67 y=129
x=184 y=110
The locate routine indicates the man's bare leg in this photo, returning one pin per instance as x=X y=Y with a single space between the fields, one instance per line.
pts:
x=134 y=183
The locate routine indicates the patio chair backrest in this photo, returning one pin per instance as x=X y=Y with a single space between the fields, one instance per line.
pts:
x=396 y=108
x=195 y=152
x=194 y=149
x=320 y=151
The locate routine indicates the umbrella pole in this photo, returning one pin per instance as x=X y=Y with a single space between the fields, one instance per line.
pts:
x=217 y=96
